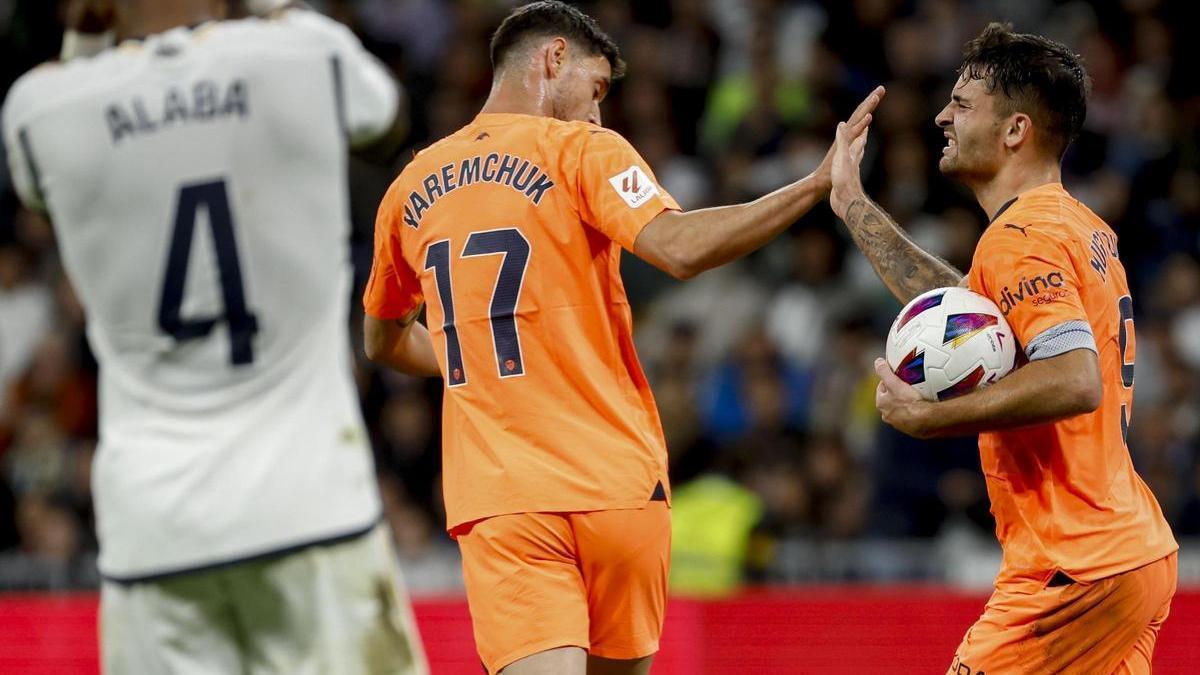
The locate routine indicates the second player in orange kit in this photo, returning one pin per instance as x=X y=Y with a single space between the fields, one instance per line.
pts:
x=510 y=231
x=1089 y=562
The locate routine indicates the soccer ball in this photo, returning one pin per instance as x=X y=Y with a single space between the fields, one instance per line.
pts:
x=950 y=341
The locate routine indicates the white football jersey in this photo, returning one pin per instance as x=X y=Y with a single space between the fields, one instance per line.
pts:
x=197 y=185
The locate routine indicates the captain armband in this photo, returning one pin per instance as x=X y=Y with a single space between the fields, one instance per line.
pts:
x=1057 y=340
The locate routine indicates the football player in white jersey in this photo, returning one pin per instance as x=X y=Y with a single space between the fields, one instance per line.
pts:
x=195 y=175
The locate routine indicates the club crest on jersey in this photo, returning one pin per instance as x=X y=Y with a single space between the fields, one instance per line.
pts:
x=634 y=186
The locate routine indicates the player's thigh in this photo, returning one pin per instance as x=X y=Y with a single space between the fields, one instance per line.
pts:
x=1018 y=642
x=182 y=625
x=625 y=559
x=1099 y=625
x=339 y=608
x=1140 y=659
x=523 y=585
x=992 y=643
x=1079 y=627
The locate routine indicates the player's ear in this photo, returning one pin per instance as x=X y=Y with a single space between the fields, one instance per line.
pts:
x=556 y=56
x=1018 y=129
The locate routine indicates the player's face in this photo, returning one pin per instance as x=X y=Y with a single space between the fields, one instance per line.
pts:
x=580 y=87
x=973 y=131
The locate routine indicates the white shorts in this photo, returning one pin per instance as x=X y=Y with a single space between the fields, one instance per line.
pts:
x=325 y=610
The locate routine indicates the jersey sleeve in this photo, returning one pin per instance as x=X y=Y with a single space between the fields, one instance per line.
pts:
x=618 y=194
x=1031 y=277
x=18 y=149
x=368 y=97
x=393 y=291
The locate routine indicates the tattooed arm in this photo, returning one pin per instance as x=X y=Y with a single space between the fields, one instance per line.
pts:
x=906 y=269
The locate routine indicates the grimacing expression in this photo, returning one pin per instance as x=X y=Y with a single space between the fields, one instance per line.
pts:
x=581 y=84
x=974 y=132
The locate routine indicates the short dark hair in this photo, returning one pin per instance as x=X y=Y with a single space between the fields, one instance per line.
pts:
x=551 y=18
x=1038 y=76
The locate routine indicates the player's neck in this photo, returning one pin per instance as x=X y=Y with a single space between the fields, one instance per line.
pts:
x=1011 y=181
x=520 y=95
x=164 y=17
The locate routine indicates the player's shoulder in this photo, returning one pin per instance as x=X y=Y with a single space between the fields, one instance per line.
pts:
x=589 y=134
x=577 y=128
x=289 y=33
x=1033 y=219
x=556 y=133
x=435 y=154
x=30 y=89
x=515 y=132
x=54 y=82
x=290 y=30
x=423 y=162
x=575 y=143
x=1050 y=204
x=1042 y=203
x=1018 y=236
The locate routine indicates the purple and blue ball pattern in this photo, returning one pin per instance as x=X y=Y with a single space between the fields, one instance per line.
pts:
x=962 y=326
x=912 y=368
x=915 y=310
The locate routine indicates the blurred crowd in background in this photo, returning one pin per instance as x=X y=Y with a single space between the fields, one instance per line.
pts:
x=762 y=370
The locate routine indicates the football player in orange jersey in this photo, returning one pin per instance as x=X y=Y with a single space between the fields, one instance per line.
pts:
x=1089 y=561
x=510 y=231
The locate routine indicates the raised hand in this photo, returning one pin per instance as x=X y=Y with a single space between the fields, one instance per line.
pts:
x=845 y=171
x=859 y=120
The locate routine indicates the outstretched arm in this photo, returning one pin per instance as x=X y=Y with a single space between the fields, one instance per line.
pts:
x=684 y=244
x=906 y=269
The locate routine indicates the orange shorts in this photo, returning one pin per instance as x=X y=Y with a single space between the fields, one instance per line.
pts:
x=1099 y=627
x=596 y=580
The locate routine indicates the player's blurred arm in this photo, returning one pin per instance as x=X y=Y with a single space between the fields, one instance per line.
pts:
x=90 y=28
x=373 y=105
x=401 y=344
x=19 y=107
x=263 y=8
x=686 y=243
x=1042 y=391
x=906 y=269
x=369 y=99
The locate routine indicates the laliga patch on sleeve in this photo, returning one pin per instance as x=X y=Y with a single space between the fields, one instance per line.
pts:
x=634 y=186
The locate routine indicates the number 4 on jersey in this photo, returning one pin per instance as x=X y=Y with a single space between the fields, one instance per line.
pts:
x=242 y=324
x=501 y=313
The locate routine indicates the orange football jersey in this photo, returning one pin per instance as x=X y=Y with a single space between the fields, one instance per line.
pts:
x=1065 y=495
x=511 y=231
